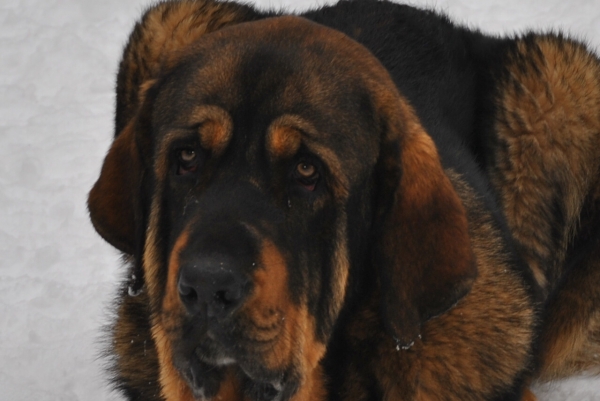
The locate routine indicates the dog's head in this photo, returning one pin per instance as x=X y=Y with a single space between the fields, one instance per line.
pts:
x=269 y=167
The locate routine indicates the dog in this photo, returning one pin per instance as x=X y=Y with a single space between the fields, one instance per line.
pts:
x=362 y=202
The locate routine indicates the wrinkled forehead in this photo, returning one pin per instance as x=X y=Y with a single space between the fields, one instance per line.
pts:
x=260 y=71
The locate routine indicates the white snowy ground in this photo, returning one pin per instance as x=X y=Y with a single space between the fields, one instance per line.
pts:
x=58 y=60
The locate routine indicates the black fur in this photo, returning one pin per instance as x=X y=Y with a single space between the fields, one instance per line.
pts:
x=449 y=74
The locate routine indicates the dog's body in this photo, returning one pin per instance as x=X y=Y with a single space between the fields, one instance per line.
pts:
x=309 y=222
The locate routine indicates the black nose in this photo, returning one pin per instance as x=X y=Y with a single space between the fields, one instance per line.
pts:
x=213 y=284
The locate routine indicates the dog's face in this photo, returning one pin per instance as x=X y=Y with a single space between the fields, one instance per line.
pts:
x=265 y=155
x=265 y=150
x=263 y=174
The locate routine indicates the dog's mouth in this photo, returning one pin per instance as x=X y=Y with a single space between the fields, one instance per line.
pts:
x=205 y=379
x=211 y=365
x=245 y=353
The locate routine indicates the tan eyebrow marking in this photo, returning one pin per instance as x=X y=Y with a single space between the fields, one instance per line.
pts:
x=216 y=127
x=284 y=136
x=288 y=132
x=283 y=142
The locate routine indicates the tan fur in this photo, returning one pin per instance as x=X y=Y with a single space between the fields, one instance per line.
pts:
x=151 y=259
x=174 y=388
x=230 y=389
x=439 y=242
x=549 y=132
x=528 y=396
x=171 y=26
x=426 y=230
x=215 y=127
x=291 y=328
x=283 y=137
x=164 y=32
x=549 y=128
x=571 y=336
x=171 y=305
x=341 y=266
x=313 y=388
x=270 y=306
x=457 y=358
x=497 y=298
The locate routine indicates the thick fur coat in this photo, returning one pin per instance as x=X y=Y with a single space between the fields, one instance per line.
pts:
x=363 y=202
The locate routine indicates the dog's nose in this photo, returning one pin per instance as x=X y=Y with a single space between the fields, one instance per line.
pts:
x=212 y=284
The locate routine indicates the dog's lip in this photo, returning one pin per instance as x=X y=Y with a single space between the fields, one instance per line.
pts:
x=221 y=347
x=270 y=391
x=271 y=388
x=220 y=360
x=237 y=341
x=202 y=385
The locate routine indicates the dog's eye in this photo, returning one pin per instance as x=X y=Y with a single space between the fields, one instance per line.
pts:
x=187 y=161
x=307 y=175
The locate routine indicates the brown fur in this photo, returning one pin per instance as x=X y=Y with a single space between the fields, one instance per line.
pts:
x=132 y=336
x=447 y=315
x=455 y=342
x=496 y=295
x=571 y=337
x=294 y=341
x=173 y=386
x=549 y=157
x=529 y=396
x=164 y=31
x=428 y=222
x=121 y=171
x=549 y=130
x=284 y=138
x=215 y=129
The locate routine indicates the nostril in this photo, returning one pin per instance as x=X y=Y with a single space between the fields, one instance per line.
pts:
x=188 y=294
x=222 y=297
x=227 y=297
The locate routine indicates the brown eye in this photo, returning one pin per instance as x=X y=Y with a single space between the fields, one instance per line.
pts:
x=187 y=155
x=307 y=175
x=188 y=161
x=306 y=170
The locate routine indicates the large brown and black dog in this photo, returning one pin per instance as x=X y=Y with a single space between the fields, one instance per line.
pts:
x=363 y=203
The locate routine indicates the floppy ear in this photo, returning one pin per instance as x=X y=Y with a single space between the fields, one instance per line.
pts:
x=156 y=44
x=423 y=248
x=116 y=201
x=112 y=200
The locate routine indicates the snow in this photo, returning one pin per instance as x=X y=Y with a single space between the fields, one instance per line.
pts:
x=57 y=277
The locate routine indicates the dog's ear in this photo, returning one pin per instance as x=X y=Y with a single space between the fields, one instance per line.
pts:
x=117 y=206
x=113 y=199
x=154 y=47
x=423 y=247
x=161 y=37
